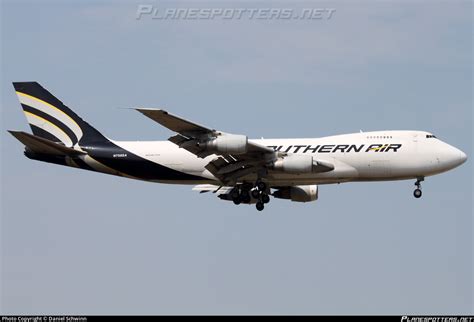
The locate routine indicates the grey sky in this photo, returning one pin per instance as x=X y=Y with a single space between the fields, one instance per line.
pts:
x=81 y=242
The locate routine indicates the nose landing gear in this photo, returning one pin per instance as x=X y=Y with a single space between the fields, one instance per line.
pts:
x=417 y=193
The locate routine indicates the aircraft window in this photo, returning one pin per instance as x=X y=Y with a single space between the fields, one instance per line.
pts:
x=380 y=137
x=429 y=136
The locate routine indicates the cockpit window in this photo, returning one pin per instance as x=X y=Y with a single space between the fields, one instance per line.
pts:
x=429 y=136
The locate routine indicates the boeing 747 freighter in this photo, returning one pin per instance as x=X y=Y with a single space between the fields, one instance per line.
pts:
x=234 y=167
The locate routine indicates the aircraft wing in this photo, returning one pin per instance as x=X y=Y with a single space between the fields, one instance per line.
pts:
x=174 y=123
x=227 y=166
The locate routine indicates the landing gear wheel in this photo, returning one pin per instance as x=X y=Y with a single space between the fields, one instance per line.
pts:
x=259 y=206
x=245 y=197
x=236 y=201
x=262 y=186
x=265 y=198
x=255 y=193
x=235 y=194
x=417 y=193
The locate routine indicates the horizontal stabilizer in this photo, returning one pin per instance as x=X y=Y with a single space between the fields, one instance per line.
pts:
x=44 y=146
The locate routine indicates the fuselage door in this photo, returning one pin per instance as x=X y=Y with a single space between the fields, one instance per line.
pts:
x=415 y=137
x=380 y=168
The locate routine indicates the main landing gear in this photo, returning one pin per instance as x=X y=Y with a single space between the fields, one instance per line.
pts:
x=417 y=193
x=260 y=193
x=245 y=193
x=241 y=196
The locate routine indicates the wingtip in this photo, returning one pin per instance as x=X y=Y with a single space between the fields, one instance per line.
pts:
x=145 y=109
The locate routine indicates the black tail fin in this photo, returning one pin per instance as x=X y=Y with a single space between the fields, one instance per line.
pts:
x=49 y=118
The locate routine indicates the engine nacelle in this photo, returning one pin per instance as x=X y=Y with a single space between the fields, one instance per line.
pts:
x=228 y=143
x=298 y=193
x=295 y=164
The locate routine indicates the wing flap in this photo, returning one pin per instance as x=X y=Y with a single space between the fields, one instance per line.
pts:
x=203 y=188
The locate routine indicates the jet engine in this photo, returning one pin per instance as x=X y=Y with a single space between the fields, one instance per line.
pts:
x=298 y=193
x=228 y=143
x=297 y=163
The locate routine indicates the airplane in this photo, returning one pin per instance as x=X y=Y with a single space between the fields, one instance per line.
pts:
x=234 y=167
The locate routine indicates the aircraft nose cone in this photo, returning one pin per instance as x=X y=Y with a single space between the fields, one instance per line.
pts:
x=462 y=157
x=457 y=157
x=451 y=157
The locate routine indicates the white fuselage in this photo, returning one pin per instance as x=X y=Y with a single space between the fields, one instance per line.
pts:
x=367 y=156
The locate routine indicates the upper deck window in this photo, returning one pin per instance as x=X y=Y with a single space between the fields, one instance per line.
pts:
x=379 y=137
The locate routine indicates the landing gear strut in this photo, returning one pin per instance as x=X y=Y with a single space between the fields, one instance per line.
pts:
x=417 y=193
x=255 y=193
x=262 y=186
